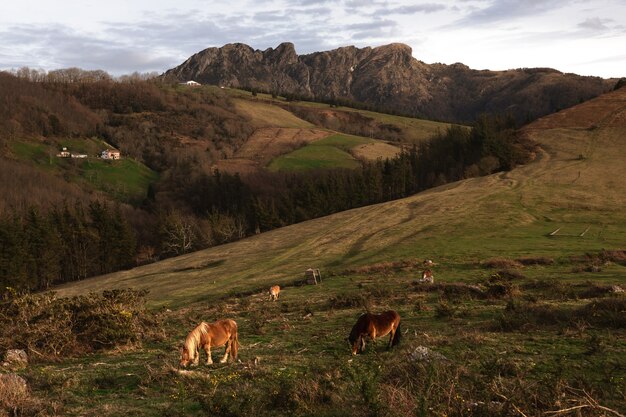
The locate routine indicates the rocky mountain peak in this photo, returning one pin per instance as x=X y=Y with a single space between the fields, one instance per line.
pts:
x=389 y=78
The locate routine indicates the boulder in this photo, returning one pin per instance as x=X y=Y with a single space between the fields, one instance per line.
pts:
x=423 y=354
x=15 y=358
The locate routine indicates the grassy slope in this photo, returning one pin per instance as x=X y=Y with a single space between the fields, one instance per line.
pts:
x=453 y=223
x=304 y=364
x=414 y=130
x=126 y=179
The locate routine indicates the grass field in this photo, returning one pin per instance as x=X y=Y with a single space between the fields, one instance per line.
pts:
x=528 y=322
x=334 y=151
x=262 y=111
x=263 y=114
x=124 y=179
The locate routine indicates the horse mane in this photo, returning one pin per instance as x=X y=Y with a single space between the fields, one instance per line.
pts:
x=194 y=338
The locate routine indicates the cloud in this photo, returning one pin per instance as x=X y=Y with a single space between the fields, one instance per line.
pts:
x=58 y=46
x=412 y=9
x=596 y=24
x=508 y=10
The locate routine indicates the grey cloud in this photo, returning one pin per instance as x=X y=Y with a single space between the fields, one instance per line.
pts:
x=505 y=10
x=595 y=24
x=58 y=46
x=374 y=25
x=413 y=9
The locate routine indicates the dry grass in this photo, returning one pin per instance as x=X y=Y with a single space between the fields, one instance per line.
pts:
x=263 y=114
x=457 y=221
x=267 y=143
x=501 y=263
x=376 y=150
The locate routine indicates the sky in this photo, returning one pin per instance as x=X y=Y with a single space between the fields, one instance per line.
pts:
x=586 y=37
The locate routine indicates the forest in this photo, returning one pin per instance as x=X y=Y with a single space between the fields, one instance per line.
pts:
x=53 y=232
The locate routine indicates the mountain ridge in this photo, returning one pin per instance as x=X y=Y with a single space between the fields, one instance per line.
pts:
x=389 y=77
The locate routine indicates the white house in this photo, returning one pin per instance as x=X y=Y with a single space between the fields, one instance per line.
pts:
x=64 y=153
x=191 y=83
x=110 y=154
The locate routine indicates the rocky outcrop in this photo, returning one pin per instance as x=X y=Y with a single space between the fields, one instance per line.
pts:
x=390 y=78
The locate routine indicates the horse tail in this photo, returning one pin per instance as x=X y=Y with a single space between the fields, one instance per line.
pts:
x=234 y=347
x=397 y=336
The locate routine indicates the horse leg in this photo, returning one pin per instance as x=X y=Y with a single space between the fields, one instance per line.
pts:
x=362 y=344
x=226 y=351
x=196 y=358
x=207 y=348
x=392 y=333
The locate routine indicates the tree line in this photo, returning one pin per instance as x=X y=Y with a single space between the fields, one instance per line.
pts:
x=52 y=231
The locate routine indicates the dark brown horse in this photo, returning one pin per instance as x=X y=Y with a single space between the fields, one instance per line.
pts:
x=205 y=335
x=374 y=326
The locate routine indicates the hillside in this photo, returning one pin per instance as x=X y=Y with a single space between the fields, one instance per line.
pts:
x=520 y=320
x=567 y=186
x=389 y=77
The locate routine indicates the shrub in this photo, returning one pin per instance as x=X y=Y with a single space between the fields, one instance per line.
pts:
x=343 y=300
x=506 y=275
x=501 y=263
x=537 y=260
x=52 y=327
x=608 y=312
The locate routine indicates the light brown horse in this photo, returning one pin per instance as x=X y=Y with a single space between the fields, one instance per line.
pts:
x=205 y=335
x=374 y=326
x=274 y=292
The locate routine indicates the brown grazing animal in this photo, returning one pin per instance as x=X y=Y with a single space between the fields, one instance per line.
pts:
x=374 y=326
x=205 y=335
x=274 y=292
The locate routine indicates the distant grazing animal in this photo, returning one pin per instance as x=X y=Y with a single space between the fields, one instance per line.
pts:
x=205 y=336
x=274 y=292
x=427 y=276
x=374 y=326
x=428 y=263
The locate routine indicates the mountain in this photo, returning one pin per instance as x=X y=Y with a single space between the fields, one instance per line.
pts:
x=389 y=77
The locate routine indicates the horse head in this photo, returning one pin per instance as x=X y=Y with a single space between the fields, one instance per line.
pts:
x=185 y=357
x=353 y=341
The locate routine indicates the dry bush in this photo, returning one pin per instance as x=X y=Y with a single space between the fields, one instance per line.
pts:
x=343 y=300
x=502 y=290
x=526 y=316
x=592 y=290
x=16 y=399
x=601 y=258
x=501 y=263
x=455 y=290
x=604 y=313
x=49 y=327
x=553 y=289
x=383 y=267
x=535 y=260
x=507 y=275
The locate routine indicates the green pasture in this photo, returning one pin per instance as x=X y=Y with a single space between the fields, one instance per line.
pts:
x=330 y=152
x=125 y=178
